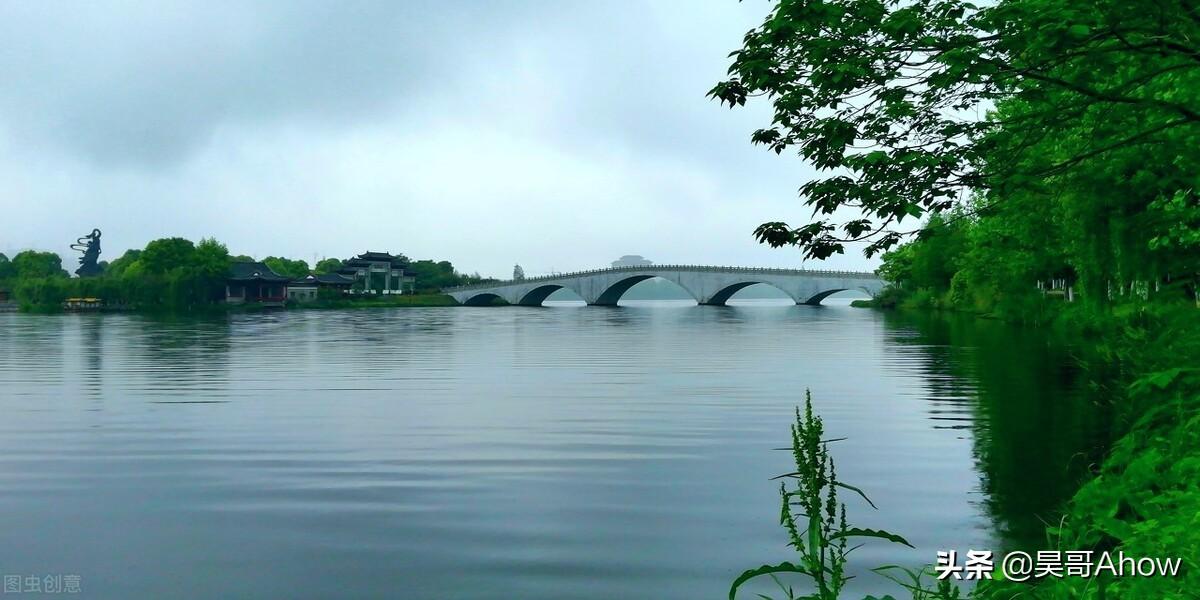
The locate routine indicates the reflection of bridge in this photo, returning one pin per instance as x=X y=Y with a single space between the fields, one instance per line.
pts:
x=708 y=285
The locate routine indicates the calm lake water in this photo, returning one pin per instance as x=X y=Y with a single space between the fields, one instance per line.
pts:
x=508 y=453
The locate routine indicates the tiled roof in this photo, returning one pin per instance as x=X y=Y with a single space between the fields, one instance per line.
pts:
x=376 y=256
x=334 y=278
x=366 y=258
x=253 y=271
x=326 y=278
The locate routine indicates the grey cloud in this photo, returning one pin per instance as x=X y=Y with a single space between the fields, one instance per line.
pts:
x=440 y=129
x=150 y=82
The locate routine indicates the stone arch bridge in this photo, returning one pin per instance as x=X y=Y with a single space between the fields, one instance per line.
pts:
x=708 y=285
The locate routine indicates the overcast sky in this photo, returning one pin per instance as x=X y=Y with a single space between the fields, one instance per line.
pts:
x=558 y=135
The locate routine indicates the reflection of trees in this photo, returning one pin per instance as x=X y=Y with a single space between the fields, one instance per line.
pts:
x=1034 y=429
x=183 y=355
x=91 y=346
x=34 y=357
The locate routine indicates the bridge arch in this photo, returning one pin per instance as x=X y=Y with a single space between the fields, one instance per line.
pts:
x=816 y=299
x=537 y=295
x=483 y=299
x=612 y=294
x=724 y=294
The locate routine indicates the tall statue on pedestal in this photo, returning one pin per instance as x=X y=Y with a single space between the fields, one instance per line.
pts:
x=89 y=245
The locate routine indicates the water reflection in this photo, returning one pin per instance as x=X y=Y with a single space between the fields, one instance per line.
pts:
x=91 y=347
x=1034 y=425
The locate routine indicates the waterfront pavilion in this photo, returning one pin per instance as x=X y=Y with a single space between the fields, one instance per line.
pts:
x=254 y=282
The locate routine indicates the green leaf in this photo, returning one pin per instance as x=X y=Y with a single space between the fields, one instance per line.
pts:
x=872 y=533
x=783 y=567
x=857 y=491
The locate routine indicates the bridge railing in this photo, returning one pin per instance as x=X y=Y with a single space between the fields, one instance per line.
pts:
x=697 y=268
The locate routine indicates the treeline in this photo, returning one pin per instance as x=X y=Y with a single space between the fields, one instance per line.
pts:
x=169 y=273
x=432 y=276
x=1122 y=231
x=172 y=274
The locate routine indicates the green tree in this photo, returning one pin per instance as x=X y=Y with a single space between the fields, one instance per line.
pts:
x=211 y=258
x=944 y=242
x=165 y=254
x=881 y=95
x=431 y=276
x=29 y=264
x=327 y=265
x=118 y=266
x=287 y=267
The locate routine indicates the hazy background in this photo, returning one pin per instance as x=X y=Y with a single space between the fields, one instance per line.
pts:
x=557 y=135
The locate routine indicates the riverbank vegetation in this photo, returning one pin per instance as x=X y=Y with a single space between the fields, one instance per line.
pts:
x=177 y=275
x=1036 y=161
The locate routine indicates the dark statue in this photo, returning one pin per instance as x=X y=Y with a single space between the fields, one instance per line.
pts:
x=89 y=245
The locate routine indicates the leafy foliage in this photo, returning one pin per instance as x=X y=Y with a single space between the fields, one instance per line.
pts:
x=432 y=276
x=888 y=99
x=327 y=265
x=287 y=267
x=31 y=263
x=117 y=267
x=165 y=254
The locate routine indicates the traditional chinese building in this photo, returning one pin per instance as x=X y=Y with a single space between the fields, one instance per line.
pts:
x=306 y=289
x=378 y=272
x=631 y=260
x=255 y=282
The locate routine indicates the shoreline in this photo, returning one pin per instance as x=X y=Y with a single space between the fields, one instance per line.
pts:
x=401 y=301
x=1153 y=389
